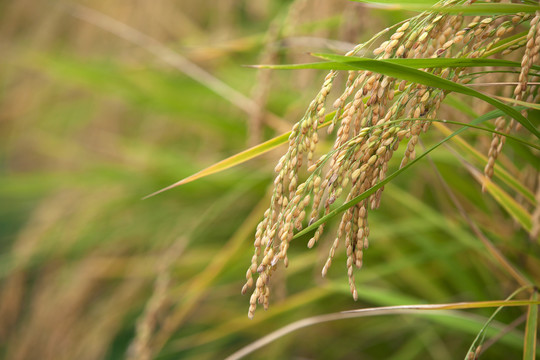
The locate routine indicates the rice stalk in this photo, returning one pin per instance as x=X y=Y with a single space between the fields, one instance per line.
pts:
x=367 y=133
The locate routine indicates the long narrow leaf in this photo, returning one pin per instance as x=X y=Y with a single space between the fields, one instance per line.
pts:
x=237 y=159
x=230 y=161
x=479 y=338
x=424 y=78
x=429 y=62
x=340 y=62
x=529 y=351
x=472 y=9
x=399 y=71
x=384 y=310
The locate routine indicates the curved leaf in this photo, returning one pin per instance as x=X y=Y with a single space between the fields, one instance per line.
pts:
x=383 y=310
x=428 y=62
x=341 y=62
x=424 y=78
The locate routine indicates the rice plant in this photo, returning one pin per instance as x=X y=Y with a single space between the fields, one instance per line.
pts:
x=383 y=103
x=411 y=178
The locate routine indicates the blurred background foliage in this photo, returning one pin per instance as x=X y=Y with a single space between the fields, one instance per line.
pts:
x=91 y=122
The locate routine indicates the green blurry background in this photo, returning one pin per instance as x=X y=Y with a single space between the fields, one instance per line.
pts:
x=91 y=122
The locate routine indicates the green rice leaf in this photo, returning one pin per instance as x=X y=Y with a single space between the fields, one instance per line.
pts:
x=472 y=9
x=395 y=69
x=424 y=78
x=531 y=329
x=480 y=337
x=237 y=159
x=340 y=62
x=230 y=162
x=427 y=63
x=365 y=312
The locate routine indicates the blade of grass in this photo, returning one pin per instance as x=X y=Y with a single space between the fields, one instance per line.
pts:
x=529 y=351
x=340 y=62
x=238 y=158
x=481 y=335
x=229 y=162
x=385 y=310
x=472 y=9
x=427 y=63
x=399 y=71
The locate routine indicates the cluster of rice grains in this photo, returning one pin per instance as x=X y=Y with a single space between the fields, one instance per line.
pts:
x=522 y=91
x=372 y=116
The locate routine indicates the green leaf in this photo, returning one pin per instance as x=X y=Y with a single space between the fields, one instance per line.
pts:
x=472 y=9
x=377 y=311
x=531 y=329
x=340 y=62
x=230 y=161
x=424 y=78
x=239 y=158
x=424 y=62
x=479 y=338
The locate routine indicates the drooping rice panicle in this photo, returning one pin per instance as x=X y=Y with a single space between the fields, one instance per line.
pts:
x=373 y=115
